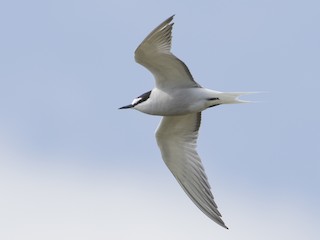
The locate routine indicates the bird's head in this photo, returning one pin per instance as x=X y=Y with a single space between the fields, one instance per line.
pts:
x=137 y=100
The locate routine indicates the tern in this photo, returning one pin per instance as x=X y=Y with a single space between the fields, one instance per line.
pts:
x=180 y=100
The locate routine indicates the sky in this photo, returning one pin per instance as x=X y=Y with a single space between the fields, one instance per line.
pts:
x=73 y=166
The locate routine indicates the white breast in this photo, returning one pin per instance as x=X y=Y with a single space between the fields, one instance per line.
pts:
x=175 y=101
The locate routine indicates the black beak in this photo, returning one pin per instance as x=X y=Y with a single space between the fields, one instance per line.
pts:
x=127 y=106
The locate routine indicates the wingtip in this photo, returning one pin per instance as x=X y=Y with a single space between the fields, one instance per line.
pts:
x=169 y=19
x=222 y=224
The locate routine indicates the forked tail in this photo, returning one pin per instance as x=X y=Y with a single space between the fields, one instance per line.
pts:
x=233 y=97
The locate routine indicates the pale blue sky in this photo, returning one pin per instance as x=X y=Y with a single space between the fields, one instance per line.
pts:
x=73 y=166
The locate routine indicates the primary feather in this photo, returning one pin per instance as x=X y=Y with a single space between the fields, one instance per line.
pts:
x=177 y=139
x=154 y=53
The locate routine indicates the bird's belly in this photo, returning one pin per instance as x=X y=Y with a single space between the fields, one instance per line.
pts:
x=175 y=104
x=171 y=110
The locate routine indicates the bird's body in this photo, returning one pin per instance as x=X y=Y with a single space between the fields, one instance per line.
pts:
x=180 y=100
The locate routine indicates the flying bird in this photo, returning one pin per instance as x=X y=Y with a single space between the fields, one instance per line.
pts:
x=180 y=100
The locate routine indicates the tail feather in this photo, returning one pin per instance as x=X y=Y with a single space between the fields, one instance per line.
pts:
x=233 y=97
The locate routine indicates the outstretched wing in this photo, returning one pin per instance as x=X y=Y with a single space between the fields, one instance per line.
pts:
x=154 y=54
x=177 y=140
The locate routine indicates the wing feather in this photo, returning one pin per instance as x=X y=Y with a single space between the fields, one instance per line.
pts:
x=177 y=139
x=154 y=53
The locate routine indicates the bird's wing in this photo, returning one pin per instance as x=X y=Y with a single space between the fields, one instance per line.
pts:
x=177 y=140
x=154 y=54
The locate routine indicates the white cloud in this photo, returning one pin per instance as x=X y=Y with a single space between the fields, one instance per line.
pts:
x=70 y=202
